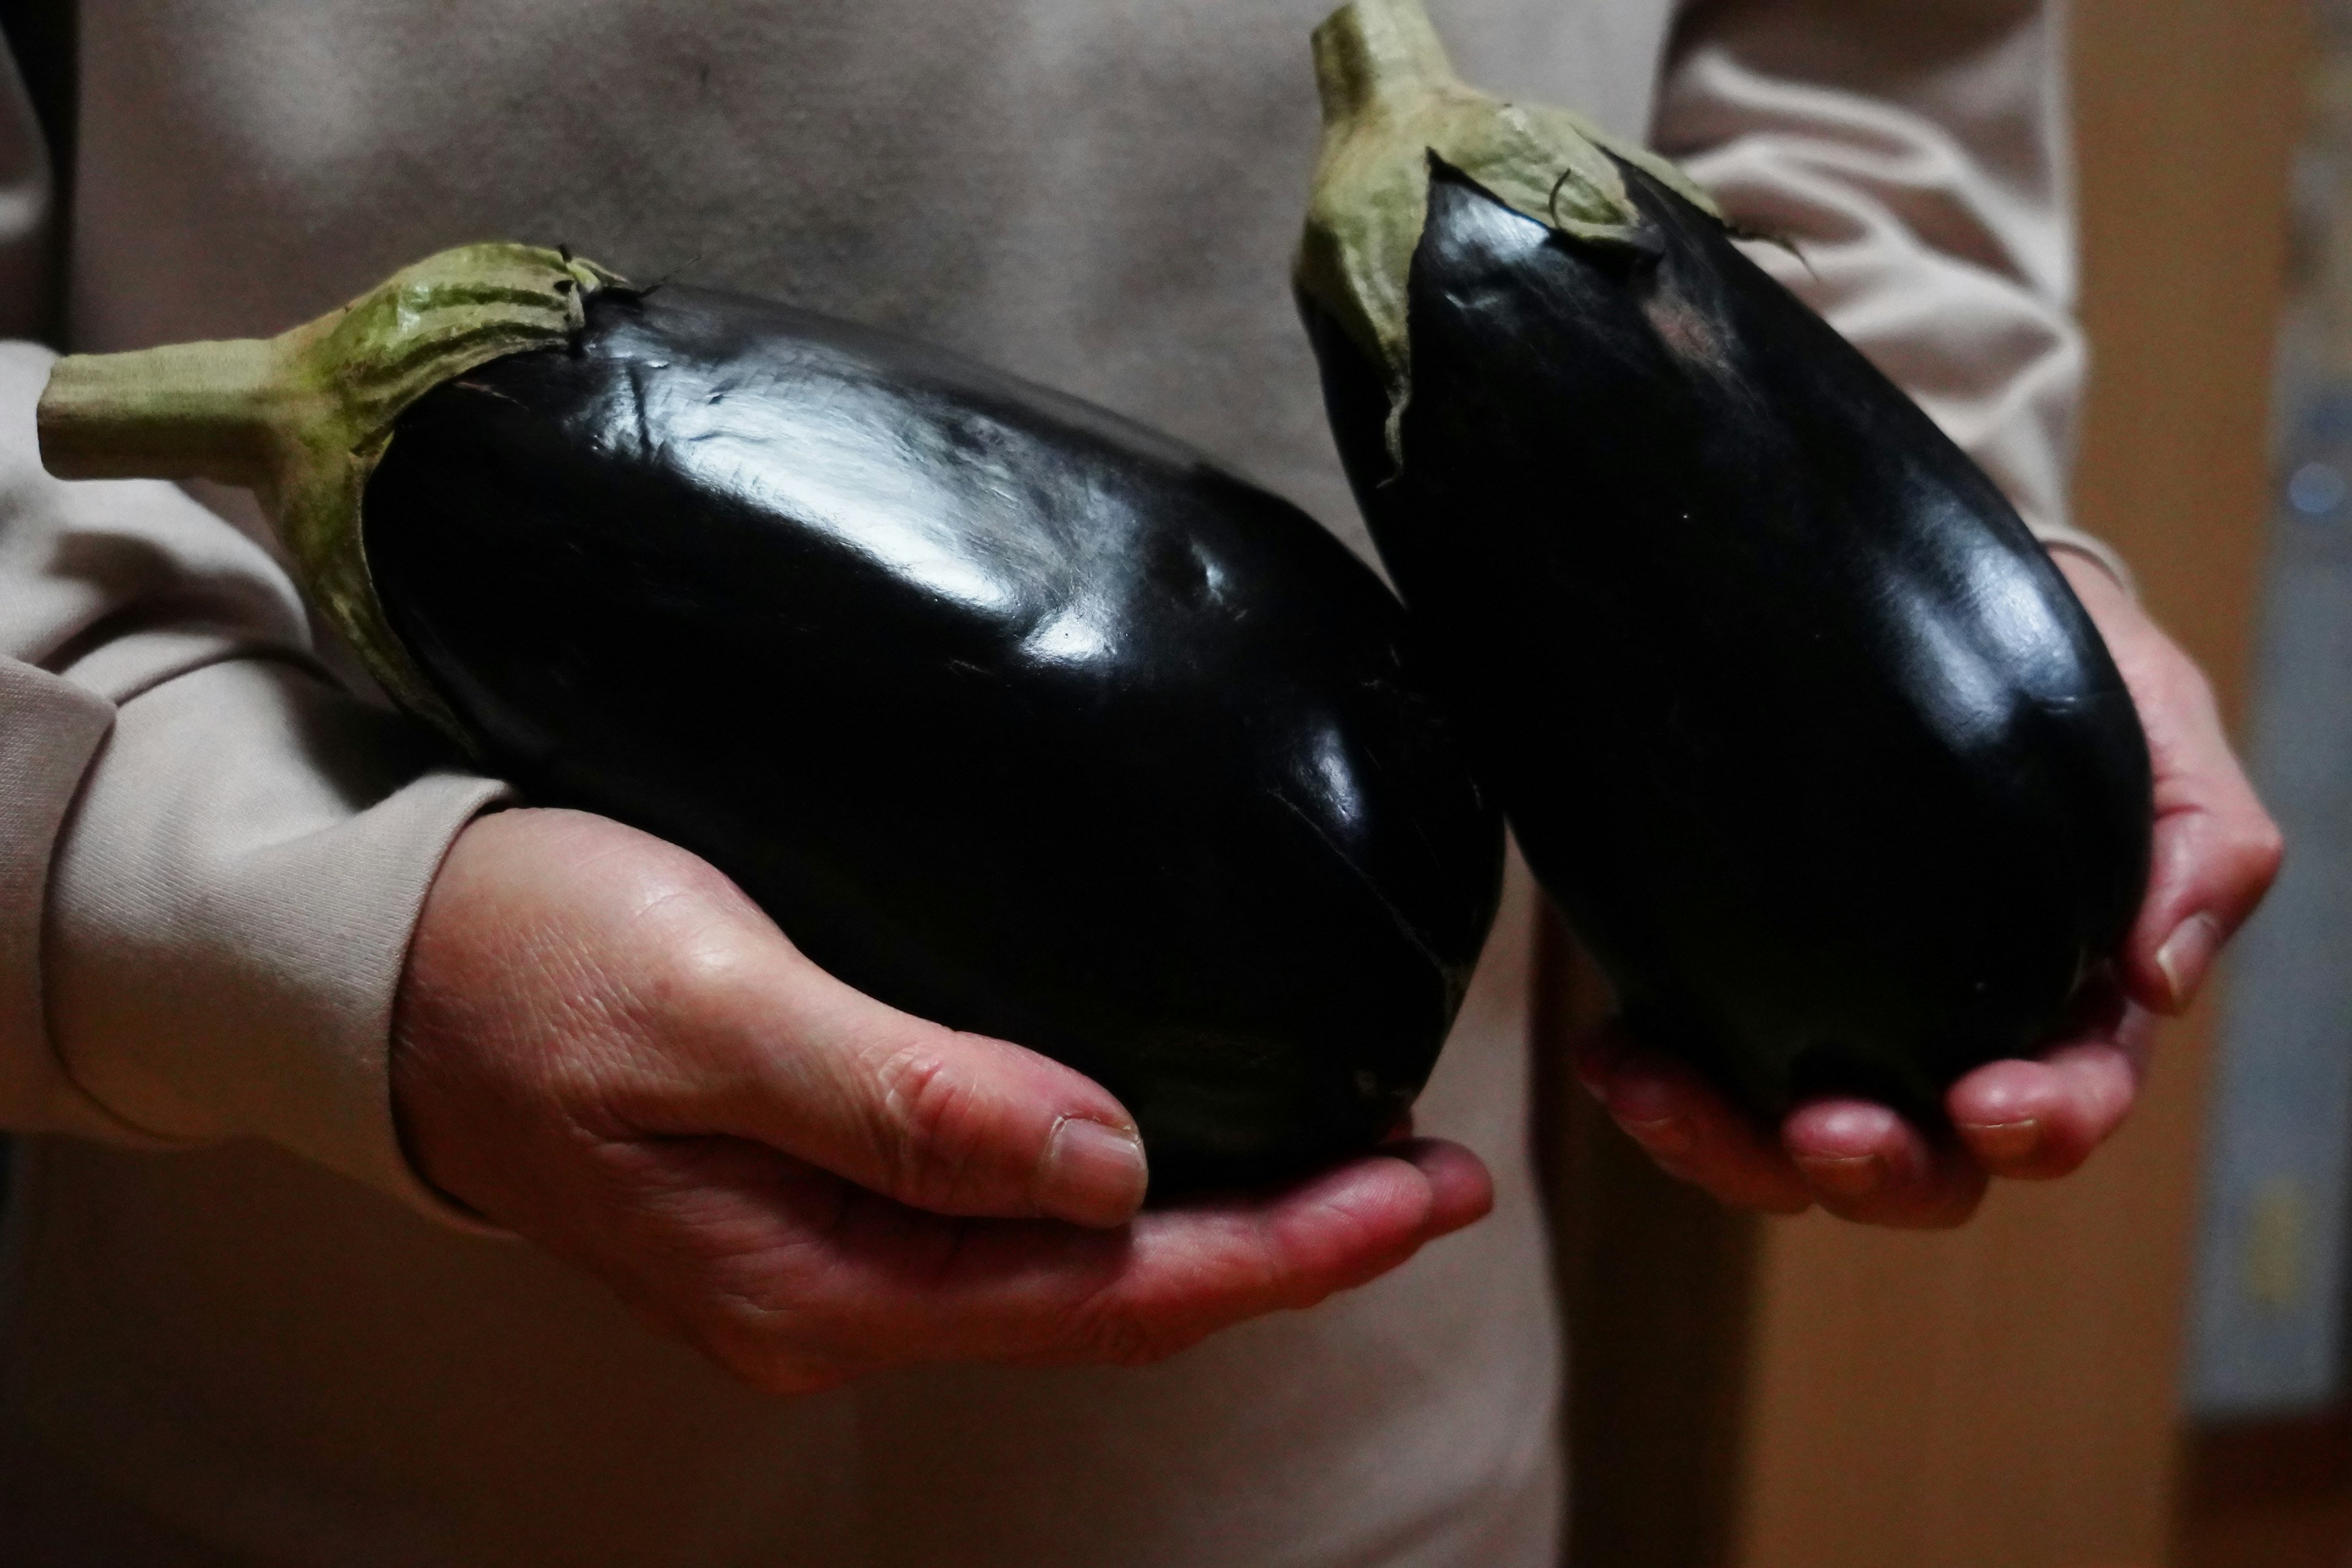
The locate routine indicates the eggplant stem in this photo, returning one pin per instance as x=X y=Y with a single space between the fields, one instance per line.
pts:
x=301 y=419
x=1375 y=49
x=1392 y=105
x=207 y=410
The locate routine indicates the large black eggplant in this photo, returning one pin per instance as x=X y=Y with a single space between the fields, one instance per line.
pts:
x=1816 y=750
x=1011 y=712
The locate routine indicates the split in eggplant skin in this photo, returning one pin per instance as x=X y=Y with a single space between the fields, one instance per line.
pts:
x=1012 y=713
x=1811 y=740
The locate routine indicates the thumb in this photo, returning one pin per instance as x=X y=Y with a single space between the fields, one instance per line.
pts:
x=938 y=1120
x=2216 y=850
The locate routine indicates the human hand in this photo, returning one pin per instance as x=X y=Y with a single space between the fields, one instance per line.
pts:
x=2216 y=851
x=604 y=1046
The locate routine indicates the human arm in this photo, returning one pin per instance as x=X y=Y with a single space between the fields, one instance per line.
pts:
x=1917 y=156
x=212 y=854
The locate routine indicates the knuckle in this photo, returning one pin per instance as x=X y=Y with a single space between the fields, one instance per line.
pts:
x=709 y=970
x=928 y=1125
x=2263 y=851
x=701 y=993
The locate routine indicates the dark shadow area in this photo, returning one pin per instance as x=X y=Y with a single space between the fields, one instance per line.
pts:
x=2267 y=1494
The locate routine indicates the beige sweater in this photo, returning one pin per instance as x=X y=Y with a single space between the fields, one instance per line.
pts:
x=216 y=1349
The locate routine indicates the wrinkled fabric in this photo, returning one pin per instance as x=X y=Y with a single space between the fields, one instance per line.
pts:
x=1914 y=158
x=218 y=1349
x=223 y=853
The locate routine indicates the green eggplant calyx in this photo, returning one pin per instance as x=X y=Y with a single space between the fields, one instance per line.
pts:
x=1391 y=102
x=301 y=419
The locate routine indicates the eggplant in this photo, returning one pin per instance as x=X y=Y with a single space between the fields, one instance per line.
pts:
x=1793 y=716
x=1013 y=714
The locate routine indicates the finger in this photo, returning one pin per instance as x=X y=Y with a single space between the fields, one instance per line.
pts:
x=1191 y=1271
x=813 y=1282
x=2039 y=1119
x=2215 y=854
x=1688 y=1128
x=2215 y=851
x=1867 y=1163
x=950 y=1122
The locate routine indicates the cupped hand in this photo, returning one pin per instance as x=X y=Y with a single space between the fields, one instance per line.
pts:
x=2216 y=852
x=604 y=1046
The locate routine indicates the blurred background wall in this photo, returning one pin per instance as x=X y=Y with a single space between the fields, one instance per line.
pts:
x=2030 y=1392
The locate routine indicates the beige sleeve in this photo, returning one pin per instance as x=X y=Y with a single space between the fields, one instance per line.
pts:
x=1916 y=153
x=211 y=856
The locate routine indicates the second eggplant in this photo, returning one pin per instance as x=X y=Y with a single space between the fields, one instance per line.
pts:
x=1801 y=726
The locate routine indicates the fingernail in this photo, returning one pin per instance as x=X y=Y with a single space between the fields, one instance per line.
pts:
x=1092 y=1174
x=2006 y=1141
x=1845 y=1176
x=1665 y=1137
x=2185 y=956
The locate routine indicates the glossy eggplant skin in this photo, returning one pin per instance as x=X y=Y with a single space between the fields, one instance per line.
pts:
x=1012 y=713
x=1816 y=750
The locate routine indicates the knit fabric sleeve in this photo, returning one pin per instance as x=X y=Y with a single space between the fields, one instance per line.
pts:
x=211 y=856
x=1914 y=157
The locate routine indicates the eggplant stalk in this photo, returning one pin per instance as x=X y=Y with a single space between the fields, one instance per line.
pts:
x=1390 y=102
x=302 y=418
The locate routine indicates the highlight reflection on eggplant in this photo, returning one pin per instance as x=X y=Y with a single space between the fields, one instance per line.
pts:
x=1801 y=726
x=1012 y=713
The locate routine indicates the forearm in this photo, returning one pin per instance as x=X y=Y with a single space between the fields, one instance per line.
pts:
x=217 y=855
